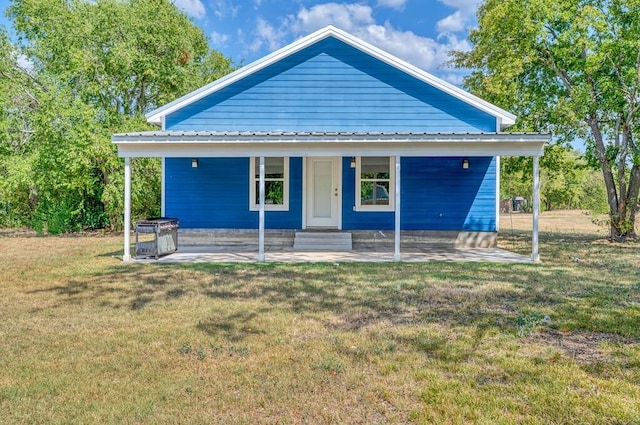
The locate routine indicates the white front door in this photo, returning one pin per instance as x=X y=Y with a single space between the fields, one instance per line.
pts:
x=323 y=192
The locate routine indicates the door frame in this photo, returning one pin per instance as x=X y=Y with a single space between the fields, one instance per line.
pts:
x=305 y=182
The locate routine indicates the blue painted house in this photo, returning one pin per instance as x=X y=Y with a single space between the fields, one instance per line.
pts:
x=338 y=135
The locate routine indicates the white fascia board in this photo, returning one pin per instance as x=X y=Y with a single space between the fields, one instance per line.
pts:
x=506 y=118
x=329 y=148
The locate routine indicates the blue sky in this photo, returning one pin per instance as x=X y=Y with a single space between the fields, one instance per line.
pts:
x=421 y=32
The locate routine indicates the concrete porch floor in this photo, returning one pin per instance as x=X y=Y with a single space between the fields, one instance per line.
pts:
x=279 y=254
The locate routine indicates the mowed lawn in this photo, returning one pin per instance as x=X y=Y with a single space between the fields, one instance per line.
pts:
x=85 y=339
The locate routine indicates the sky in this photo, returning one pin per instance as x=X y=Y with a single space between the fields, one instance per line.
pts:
x=421 y=32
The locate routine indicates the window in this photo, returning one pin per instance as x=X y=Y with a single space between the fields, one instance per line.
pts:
x=276 y=184
x=375 y=183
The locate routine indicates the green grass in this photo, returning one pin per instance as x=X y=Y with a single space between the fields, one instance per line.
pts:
x=84 y=339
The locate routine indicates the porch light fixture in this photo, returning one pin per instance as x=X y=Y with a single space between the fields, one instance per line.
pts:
x=465 y=164
x=353 y=162
x=194 y=163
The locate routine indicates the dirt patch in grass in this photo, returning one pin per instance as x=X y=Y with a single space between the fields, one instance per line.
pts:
x=357 y=321
x=583 y=347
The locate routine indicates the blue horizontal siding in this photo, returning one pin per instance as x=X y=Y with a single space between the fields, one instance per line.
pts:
x=436 y=194
x=216 y=195
x=330 y=86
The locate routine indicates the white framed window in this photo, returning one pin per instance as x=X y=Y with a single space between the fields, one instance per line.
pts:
x=276 y=184
x=375 y=183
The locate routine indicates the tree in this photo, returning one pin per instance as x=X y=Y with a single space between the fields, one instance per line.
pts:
x=95 y=68
x=124 y=56
x=564 y=174
x=573 y=68
x=52 y=151
x=562 y=184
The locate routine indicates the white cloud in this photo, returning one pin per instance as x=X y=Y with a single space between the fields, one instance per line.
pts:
x=427 y=53
x=424 y=52
x=267 y=35
x=452 y=23
x=453 y=78
x=193 y=8
x=219 y=39
x=461 y=18
x=344 y=16
x=224 y=9
x=393 y=4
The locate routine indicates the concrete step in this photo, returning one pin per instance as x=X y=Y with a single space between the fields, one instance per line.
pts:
x=233 y=237
x=322 y=241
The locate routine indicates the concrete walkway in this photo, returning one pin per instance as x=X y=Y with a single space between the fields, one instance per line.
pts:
x=249 y=254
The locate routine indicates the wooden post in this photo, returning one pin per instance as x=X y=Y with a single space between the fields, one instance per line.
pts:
x=127 y=210
x=535 y=256
x=261 y=213
x=396 y=251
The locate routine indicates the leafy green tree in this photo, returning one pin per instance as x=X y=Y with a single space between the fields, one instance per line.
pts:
x=570 y=67
x=52 y=151
x=18 y=100
x=563 y=176
x=123 y=56
x=594 y=194
x=562 y=183
x=95 y=68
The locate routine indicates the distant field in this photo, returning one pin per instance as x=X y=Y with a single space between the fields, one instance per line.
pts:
x=571 y=221
x=87 y=340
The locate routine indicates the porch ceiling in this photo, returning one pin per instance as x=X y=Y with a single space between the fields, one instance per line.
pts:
x=283 y=143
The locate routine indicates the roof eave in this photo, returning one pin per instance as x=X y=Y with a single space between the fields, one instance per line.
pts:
x=324 y=137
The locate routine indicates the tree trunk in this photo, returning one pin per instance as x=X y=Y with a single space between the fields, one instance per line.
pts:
x=609 y=180
x=632 y=198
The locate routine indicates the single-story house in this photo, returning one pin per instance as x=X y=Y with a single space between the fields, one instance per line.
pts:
x=331 y=132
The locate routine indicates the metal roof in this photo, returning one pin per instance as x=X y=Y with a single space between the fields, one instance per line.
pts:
x=324 y=135
x=326 y=143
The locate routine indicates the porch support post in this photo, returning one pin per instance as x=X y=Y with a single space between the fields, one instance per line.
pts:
x=163 y=189
x=261 y=214
x=127 y=210
x=396 y=251
x=535 y=256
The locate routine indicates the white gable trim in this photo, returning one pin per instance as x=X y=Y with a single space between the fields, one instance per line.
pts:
x=505 y=119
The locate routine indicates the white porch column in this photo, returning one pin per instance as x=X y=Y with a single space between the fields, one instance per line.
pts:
x=261 y=213
x=127 y=210
x=535 y=256
x=396 y=251
x=497 y=193
x=163 y=188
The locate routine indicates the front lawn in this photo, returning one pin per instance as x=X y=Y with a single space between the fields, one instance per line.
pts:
x=85 y=339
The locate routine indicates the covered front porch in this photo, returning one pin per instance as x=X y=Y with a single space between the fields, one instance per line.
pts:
x=261 y=145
